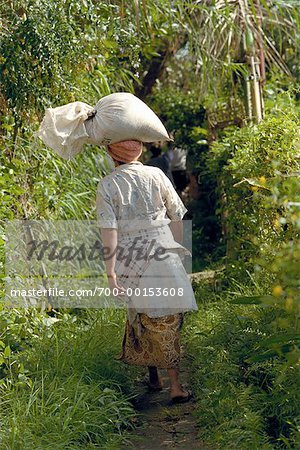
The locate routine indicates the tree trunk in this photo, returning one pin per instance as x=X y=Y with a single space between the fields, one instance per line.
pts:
x=156 y=68
x=154 y=72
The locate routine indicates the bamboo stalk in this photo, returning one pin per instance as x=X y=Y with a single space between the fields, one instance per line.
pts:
x=257 y=103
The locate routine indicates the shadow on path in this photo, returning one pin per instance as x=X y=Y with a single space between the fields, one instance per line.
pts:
x=162 y=426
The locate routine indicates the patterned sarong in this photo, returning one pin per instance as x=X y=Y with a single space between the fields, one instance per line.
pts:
x=158 y=345
x=151 y=341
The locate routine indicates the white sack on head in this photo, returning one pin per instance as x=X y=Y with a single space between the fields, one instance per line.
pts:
x=121 y=117
x=63 y=130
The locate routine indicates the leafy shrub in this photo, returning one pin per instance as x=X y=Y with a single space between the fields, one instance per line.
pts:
x=261 y=184
x=243 y=400
x=248 y=334
x=56 y=51
x=255 y=166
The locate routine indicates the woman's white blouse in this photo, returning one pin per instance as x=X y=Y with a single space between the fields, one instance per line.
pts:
x=140 y=201
x=134 y=195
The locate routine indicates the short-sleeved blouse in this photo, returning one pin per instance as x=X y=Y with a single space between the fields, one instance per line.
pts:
x=133 y=194
x=140 y=201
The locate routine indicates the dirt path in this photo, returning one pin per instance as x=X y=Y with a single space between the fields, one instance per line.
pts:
x=162 y=426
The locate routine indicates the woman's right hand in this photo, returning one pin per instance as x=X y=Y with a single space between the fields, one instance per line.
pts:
x=116 y=289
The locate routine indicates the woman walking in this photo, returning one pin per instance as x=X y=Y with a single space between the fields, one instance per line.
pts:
x=137 y=207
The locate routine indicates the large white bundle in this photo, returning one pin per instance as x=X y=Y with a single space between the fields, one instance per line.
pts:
x=63 y=130
x=116 y=117
x=122 y=116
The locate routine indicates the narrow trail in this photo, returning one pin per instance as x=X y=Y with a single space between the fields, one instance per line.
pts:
x=162 y=426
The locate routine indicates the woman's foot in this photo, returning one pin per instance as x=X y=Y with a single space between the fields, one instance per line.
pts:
x=178 y=393
x=180 y=396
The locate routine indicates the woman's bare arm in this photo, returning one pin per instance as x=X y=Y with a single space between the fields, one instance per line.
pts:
x=177 y=230
x=110 y=242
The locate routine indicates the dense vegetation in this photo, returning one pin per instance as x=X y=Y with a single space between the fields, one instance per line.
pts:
x=247 y=331
x=59 y=383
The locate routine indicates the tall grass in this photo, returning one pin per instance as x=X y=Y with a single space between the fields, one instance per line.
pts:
x=61 y=387
x=241 y=403
x=78 y=394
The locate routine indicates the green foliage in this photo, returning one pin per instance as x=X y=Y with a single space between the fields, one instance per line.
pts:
x=248 y=334
x=38 y=184
x=257 y=170
x=184 y=116
x=53 y=52
x=18 y=330
x=242 y=402
x=260 y=179
x=39 y=49
x=72 y=397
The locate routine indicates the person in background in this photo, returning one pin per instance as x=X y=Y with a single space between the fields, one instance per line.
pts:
x=161 y=160
x=178 y=168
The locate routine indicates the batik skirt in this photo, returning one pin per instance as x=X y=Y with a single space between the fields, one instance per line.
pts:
x=157 y=344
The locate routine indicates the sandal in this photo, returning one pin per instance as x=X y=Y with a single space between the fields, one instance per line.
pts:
x=180 y=399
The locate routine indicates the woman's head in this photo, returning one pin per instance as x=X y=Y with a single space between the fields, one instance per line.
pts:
x=125 y=151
